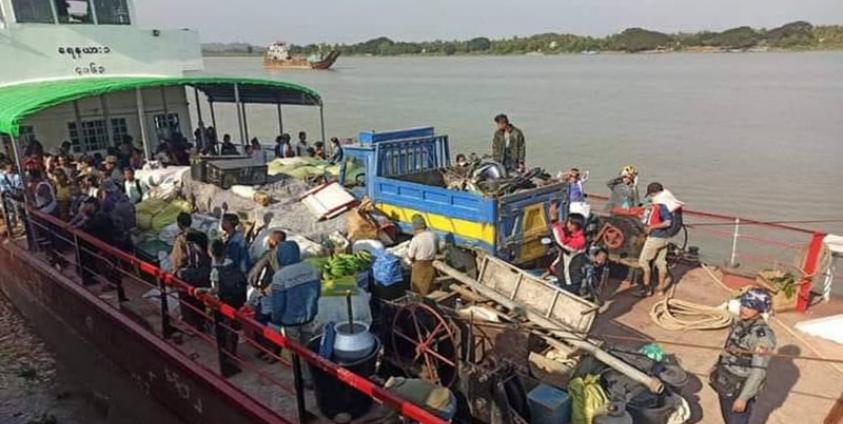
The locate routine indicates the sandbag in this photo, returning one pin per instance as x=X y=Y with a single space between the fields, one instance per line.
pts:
x=587 y=398
x=155 y=214
x=245 y=192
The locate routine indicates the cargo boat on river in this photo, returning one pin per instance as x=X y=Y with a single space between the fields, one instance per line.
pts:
x=56 y=88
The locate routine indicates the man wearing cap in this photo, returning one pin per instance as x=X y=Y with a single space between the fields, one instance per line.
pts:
x=111 y=171
x=508 y=146
x=741 y=370
x=658 y=220
x=421 y=253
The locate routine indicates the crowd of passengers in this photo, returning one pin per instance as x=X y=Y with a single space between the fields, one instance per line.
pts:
x=98 y=195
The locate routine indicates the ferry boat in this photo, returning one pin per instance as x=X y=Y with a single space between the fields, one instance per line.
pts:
x=278 y=56
x=85 y=72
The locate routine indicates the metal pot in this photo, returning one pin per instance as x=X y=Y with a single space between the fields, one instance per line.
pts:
x=351 y=346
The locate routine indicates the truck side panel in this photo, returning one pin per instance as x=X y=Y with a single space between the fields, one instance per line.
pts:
x=524 y=220
x=468 y=217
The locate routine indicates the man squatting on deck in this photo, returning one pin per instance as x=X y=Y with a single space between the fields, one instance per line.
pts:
x=741 y=370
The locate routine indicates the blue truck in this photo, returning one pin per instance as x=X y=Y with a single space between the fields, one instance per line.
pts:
x=401 y=175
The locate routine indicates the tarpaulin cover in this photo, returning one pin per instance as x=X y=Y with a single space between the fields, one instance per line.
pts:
x=20 y=101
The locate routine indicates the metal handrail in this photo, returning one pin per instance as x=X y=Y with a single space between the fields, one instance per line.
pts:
x=359 y=383
x=744 y=221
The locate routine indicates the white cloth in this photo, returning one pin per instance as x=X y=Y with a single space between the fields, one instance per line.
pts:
x=665 y=197
x=422 y=246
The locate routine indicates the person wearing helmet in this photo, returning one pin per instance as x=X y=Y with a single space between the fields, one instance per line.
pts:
x=741 y=370
x=624 y=198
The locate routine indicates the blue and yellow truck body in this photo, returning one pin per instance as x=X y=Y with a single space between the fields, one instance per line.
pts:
x=509 y=227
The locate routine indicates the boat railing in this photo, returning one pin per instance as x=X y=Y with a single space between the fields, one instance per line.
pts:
x=742 y=246
x=56 y=241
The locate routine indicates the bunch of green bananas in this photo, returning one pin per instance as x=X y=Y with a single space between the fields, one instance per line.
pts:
x=346 y=264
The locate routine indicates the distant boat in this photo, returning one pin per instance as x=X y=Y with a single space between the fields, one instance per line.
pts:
x=278 y=56
x=590 y=52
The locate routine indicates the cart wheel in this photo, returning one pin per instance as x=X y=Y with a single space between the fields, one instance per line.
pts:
x=612 y=236
x=425 y=344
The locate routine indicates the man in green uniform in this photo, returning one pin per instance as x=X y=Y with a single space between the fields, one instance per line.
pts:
x=741 y=370
x=508 y=146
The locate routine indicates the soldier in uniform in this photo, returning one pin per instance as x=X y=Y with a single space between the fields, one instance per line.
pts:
x=741 y=370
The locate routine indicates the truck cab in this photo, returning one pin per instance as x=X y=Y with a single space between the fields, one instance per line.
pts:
x=403 y=175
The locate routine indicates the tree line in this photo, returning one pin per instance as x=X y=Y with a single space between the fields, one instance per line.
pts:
x=794 y=35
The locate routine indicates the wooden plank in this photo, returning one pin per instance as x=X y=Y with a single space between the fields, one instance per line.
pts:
x=575 y=313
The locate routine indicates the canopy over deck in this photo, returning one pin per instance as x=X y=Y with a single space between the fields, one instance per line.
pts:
x=20 y=101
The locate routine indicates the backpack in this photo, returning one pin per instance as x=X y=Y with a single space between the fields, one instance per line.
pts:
x=676 y=223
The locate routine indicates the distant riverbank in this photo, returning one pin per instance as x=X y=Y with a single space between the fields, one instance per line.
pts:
x=700 y=50
x=794 y=36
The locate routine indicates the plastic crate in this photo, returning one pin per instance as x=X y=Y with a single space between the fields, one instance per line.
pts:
x=226 y=173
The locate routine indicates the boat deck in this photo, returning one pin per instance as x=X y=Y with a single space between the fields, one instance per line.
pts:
x=798 y=390
x=272 y=384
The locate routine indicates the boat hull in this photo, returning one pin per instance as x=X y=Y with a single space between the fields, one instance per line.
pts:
x=300 y=63
x=61 y=310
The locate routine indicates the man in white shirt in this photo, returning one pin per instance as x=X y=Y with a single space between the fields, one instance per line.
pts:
x=422 y=252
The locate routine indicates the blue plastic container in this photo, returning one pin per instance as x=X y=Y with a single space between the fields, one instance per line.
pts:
x=549 y=405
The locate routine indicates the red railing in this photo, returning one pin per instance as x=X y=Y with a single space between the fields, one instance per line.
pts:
x=107 y=252
x=747 y=246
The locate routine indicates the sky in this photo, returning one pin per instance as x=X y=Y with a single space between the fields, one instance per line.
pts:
x=314 y=21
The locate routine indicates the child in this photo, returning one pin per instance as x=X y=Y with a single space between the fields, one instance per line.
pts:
x=131 y=186
x=570 y=238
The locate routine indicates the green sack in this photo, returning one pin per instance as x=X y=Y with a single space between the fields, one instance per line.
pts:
x=587 y=398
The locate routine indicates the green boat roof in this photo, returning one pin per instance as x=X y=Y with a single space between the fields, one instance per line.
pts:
x=23 y=100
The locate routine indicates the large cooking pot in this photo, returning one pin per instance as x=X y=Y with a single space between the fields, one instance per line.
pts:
x=352 y=345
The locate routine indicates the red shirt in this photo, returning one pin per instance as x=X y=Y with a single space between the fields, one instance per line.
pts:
x=572 y=241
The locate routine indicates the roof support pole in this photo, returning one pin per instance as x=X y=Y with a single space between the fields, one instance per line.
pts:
x=322 y=121
x=106 y=116
x=167 y=128
x=245 y=124
x=80 y=132
x=213 y=114
x=200 y=124
x=142 y=124
x=280 y=119
x=239 y=114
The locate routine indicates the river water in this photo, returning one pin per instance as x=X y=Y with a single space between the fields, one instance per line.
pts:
x=757 y=135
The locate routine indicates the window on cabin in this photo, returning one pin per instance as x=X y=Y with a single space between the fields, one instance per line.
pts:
x=112 y=12
x=27 y=134
x=95 y=134
x=33 y=11
x=167 y=125
x=74 y=11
